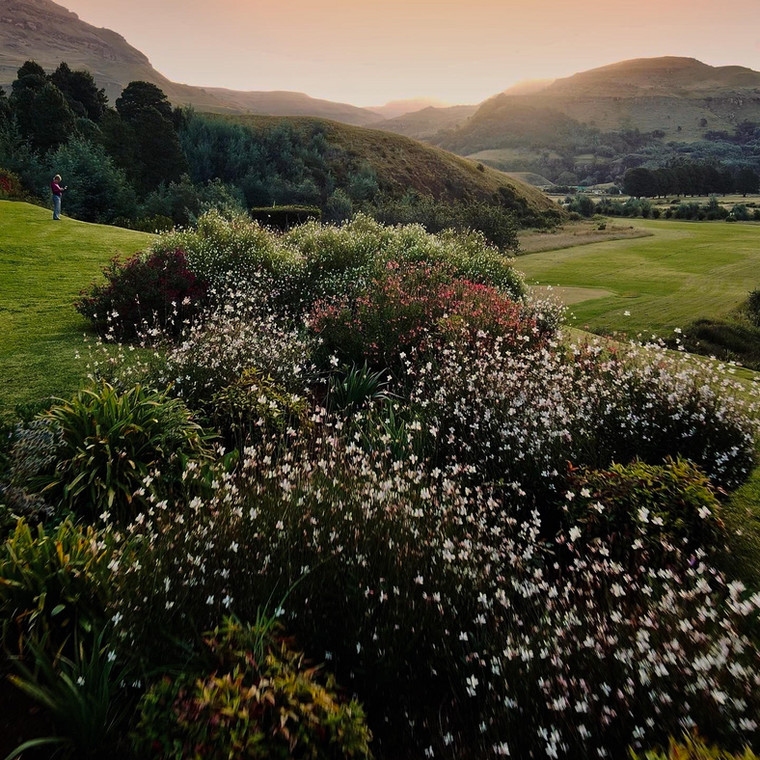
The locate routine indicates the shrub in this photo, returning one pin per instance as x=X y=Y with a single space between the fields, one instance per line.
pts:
x=143 y=291
x=415 y=308
x=753 y=307
x=227 y=249
x=451 y=619
x=54 y=583
x=518 y=418
x=10 y=185
x=692 y=748
x=110 y=441
x=284 y=217
x=255 y=405
x=646 y=512
x=253 y=705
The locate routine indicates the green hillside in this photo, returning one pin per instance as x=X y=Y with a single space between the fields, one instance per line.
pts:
x=402 y=164
x=43 y=266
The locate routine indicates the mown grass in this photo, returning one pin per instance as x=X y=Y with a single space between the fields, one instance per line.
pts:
x=43 y=266
x=682 y=272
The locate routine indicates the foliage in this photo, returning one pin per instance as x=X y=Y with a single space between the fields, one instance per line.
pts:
x=641 y=510
x=356 y=386
x=10 y=185
x=753 y=307
x=255 y=405
x=517 y=419
x=54 y=583
x=444 y=612
x=692 y=748
x=98 y=190
x=266 y=706
x=83 y=695
x=110 y=443
x=157 y=289
x=414 y=309
x=285 y=217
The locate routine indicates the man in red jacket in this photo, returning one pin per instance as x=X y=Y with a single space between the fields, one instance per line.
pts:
x=57 y=190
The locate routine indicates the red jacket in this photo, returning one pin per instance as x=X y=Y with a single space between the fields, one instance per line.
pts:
x=56 y=188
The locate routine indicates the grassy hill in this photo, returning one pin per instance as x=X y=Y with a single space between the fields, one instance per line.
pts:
x=403 y=164
x=43 y=266
x=46 y=32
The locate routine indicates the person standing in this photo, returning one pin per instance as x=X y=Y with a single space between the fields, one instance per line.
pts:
x=57 y=190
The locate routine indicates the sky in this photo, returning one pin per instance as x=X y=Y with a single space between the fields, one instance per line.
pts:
x=368 y=52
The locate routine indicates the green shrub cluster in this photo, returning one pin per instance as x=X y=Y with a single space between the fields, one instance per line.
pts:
x=258 y=699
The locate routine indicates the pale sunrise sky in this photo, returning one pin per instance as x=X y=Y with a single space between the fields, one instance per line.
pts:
x=368 y=52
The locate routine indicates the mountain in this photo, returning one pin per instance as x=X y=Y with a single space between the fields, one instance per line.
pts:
x=398 y=108
x=44 y=31
x=427 y=123
x=682 y=98
x=528 y=86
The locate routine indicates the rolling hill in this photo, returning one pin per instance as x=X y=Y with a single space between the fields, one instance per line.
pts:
x=680 y=97
x=402 y=164
x=46 y=32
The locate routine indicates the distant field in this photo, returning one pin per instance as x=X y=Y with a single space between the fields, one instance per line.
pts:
x=577 y=233
x=43 y=266
x=682 y=272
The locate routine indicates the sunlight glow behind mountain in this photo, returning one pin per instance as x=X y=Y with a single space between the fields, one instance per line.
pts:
x=371 y=51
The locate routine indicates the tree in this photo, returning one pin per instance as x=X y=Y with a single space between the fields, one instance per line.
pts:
x=99 y=191
x=81 y=92
x=640 y=183
x=747 y=181
x=147 y=112
x=42 y=113
x=138 y=97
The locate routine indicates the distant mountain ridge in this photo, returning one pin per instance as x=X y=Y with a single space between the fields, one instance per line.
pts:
x=48 y=33
x=680 y=97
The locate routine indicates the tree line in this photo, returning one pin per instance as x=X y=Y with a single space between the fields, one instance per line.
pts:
x=145 y=164
x=690 y=179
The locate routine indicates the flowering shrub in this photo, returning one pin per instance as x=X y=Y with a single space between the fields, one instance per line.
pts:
x=452 y=620
x=255 y=405
x=519 y=418
x=253 y=705
x=313 y=261
x=239 y=332
x=143 y=291
x=416 y=308
x=645 y=512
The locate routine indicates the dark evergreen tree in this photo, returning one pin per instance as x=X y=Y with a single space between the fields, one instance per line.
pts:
x=640 y=183
x=155 y=146
x=81 y=92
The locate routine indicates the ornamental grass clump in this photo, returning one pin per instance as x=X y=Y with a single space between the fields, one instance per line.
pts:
x=109 y=442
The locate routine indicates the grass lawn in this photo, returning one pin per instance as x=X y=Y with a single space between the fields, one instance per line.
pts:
x=43 y=266
x=682 y=272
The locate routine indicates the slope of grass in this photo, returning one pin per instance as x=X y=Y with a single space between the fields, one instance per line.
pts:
x=43 y=266
x=682 y=272
x=402 y=164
